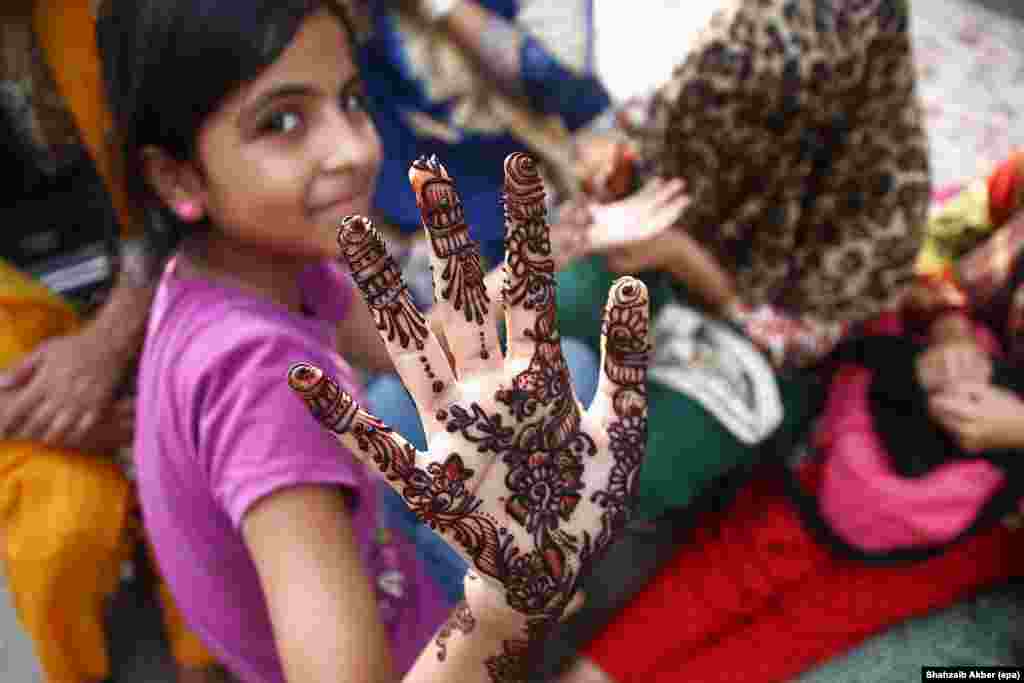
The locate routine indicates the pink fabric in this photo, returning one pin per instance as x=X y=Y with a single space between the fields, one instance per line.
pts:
x=864 y=500
x=943 y=194
x=219 y=429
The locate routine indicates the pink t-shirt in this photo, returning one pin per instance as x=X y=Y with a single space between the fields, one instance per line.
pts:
x=218 y=428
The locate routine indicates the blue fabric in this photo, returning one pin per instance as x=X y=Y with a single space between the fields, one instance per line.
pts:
x=388 y=399
x=476 y=160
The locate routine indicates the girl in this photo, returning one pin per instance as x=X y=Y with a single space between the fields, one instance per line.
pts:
x=266 y=532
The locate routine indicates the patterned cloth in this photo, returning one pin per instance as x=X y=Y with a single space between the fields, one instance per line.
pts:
x=797 y=127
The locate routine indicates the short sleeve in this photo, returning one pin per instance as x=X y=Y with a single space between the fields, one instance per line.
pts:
x=327 y=290
x=254 y=435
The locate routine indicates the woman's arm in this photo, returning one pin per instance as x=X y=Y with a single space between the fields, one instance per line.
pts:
x=520 y=66
x=323 y=607
x=685 y=260
x=61 y=393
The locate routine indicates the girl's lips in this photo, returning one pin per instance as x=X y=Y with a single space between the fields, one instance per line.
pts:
x=350 y=203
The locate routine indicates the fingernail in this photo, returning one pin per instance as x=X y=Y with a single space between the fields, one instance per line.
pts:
x=332 y=407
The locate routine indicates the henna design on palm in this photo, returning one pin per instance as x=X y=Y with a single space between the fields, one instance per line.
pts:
x=525 y=485
x=460 y=620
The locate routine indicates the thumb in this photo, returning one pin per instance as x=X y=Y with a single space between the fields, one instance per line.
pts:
x=21 y=372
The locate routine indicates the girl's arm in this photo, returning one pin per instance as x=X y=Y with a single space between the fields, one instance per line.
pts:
x=321 y=602
x=323 y=607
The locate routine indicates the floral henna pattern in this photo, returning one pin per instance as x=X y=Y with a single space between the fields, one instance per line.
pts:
x=437 y=494
x=380 y=279
x=462 y=275
x=530 y=285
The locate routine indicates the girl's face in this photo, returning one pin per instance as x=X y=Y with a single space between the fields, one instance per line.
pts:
x=290 y=154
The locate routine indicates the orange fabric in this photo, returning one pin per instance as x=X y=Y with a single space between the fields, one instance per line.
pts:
x=66 y=31
x=186 y=647
x=65 y=519
x=64 y=516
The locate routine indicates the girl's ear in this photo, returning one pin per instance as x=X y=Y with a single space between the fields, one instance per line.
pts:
x=178 y=184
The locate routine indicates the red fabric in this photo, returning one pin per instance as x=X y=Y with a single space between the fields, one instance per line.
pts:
x=755 y=598
x=1005 y=189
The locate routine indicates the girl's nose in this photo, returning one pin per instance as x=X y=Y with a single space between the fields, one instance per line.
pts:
x=349 y=143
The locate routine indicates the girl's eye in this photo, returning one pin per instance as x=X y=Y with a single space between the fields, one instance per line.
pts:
x=283 y=122
x=354 y=102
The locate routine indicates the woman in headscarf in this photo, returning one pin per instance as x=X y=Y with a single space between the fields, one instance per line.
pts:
x=797 y=127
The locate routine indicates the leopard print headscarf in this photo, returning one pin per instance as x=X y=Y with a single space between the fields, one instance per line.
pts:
x=797 y=127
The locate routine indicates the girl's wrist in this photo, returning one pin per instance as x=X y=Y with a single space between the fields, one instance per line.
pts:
x=488 y=602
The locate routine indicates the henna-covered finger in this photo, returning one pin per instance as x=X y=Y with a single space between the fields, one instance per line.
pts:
x=418 y=356
x=529 y=293
x=439 y=492
x=460 y=294
x=625 y=352
x=621 y=400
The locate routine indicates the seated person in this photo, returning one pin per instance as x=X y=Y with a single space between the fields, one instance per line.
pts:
x=452 y=76
x=783 y=583
x=68 y=507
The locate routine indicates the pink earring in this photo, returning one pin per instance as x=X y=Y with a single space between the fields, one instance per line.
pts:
x=188 y=210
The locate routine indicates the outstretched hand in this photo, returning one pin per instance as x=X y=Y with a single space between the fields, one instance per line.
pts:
x=518 y=478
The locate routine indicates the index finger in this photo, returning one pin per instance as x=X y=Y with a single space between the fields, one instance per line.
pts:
x=418 y=357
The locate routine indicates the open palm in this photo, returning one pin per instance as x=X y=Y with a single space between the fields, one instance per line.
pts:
x=517 y=478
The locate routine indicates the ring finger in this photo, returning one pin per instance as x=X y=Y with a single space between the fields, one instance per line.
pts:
x=459 y=289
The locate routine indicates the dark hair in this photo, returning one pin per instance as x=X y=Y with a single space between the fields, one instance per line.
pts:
x=169 y=65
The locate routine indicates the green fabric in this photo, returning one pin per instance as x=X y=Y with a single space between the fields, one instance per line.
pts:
x=687 y=447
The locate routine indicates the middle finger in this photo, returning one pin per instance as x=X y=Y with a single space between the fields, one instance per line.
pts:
x=418 y=357
x=459 y=289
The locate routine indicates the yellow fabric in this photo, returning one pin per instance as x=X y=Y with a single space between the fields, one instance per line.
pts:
x=64 y=517
x=29 y=313
x=954 y=228
x=65 y=526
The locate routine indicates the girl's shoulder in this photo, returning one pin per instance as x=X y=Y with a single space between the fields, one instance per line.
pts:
x=201 y=332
